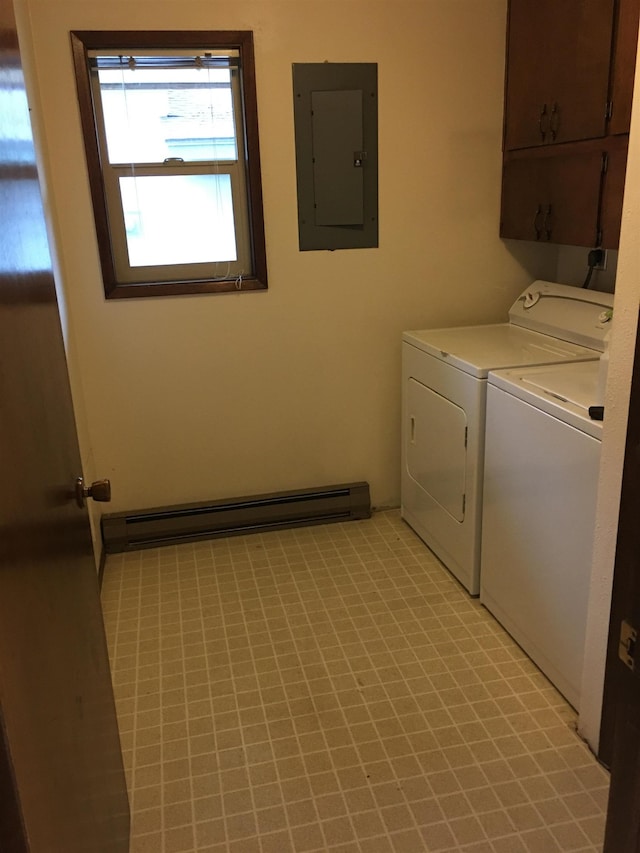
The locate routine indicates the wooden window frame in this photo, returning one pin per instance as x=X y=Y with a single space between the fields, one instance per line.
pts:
x=241 y=40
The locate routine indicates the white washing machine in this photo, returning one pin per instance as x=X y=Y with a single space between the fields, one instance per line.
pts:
x=540 y=483
x=444 y=378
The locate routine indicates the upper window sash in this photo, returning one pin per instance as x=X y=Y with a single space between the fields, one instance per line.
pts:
x=155 y=112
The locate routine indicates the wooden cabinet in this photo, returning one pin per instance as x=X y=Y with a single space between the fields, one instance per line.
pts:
x=568 y=94
x=570 y=195
x=552 y=199
x=558 y=58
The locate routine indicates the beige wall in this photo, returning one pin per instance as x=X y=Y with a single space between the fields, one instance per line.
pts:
x=190 y=398
x=573 y=266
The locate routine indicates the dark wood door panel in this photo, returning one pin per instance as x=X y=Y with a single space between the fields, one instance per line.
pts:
x=62 y=782
x=528 y=77
x=622 y=832
x=552 y=198
x=558 y=58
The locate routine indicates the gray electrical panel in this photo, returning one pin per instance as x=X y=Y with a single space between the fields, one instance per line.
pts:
x=336 y=129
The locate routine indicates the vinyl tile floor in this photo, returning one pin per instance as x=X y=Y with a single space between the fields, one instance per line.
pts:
x=333 y=688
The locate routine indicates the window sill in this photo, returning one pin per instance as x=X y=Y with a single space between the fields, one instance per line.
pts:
x=180 y=288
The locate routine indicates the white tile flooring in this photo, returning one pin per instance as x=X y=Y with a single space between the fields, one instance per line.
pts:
x=332 y=688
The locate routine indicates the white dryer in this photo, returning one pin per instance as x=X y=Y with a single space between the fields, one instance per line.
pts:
x=444 y=379
x=540 y=485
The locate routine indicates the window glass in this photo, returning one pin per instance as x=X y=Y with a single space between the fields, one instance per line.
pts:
x=154 y=114
x=178 y=219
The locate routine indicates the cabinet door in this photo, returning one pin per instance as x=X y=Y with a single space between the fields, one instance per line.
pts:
x=552 y=199
x=624 y=64
x=558 y=57
x=524 y=196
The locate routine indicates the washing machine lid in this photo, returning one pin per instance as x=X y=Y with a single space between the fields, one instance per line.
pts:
x=478 y=349
x=548 y=322
x=564 y=391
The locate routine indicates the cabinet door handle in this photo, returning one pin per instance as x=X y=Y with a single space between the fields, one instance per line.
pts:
x=543 y=121
x=547 y=224
x=554 y=121
x=538 y=222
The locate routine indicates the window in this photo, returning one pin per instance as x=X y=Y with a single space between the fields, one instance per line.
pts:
x=171 y=138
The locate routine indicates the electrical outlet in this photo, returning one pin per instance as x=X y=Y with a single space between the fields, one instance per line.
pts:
x=603 y=263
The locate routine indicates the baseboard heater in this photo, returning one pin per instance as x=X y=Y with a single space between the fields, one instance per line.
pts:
x=150 y=528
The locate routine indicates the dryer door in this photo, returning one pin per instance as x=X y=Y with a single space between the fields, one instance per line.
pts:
x=436 y=447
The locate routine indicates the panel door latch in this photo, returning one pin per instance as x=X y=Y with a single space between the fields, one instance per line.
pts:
x=627 y=646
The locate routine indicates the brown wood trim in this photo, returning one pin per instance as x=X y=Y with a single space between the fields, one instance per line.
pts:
x=254 y=171
x=87 y=119
x=84 y=40
x=96 y=39
x=178 y=288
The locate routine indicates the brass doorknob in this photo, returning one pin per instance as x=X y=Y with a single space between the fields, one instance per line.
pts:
x=99 y=490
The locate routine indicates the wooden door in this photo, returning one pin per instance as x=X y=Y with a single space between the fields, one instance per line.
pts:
x=62 y=786
x=558 y=58
x=620 y=733
x=553 y=197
